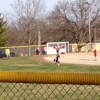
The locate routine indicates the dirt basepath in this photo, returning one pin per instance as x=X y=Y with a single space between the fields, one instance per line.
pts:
x=77 y=58
x=71 y=58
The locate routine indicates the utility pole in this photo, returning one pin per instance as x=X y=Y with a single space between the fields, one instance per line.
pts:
x=39 y=38
x=95 y=31
x=89 y=5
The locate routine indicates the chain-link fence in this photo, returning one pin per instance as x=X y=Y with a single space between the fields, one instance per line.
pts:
x=49 y=86
x=26 y=50
x=32 y=49
x=33 y=91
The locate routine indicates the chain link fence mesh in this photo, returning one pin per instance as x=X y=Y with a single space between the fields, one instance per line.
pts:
x=32 y=49
x=35 y=91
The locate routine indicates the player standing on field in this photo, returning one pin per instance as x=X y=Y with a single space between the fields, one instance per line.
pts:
x=57 y=50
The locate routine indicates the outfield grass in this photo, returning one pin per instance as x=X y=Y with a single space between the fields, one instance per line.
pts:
x=21 y=90
x=25 y=64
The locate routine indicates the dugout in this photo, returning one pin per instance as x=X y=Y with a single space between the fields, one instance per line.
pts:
x=51 y=47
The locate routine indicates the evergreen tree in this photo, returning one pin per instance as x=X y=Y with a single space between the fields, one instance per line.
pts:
x=3 y=28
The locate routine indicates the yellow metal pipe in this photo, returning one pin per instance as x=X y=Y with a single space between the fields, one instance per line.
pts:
x=22 y=46
x=50 y=78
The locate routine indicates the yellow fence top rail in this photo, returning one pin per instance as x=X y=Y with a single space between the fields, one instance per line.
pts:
x=50 y=78
x=22 y=46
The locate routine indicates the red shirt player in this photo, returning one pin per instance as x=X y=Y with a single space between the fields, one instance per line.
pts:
x=95 y=55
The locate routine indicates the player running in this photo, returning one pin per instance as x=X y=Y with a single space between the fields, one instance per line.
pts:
x=56 y=60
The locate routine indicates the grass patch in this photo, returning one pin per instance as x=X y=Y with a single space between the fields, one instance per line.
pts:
x=46 y=91
x=25 y=64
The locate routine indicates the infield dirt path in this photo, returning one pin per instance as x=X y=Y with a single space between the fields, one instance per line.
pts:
x=76 y=58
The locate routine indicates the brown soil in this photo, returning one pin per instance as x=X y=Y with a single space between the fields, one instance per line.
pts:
x=38 y=58
x=70 y=58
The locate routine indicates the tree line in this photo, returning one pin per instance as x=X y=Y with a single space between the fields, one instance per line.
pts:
x=67 y=21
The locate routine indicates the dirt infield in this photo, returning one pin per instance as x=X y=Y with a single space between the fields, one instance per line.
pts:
x=76 y=58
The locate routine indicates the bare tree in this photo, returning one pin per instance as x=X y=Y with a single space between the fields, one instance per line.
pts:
x=70 y=19
x=24 y=21
x=25 y=17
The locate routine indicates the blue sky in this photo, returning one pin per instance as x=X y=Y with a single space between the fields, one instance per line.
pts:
x=5 y=5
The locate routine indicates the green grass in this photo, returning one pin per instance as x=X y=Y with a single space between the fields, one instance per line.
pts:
x=21 y=90
x=25 y=64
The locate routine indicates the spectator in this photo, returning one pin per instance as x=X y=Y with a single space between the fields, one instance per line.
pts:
x=7 y=52
x=25 y=52
x=43 y=50
x=21 y=53
x=38 y=51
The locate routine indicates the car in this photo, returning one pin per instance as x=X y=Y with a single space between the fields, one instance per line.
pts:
x=2 y=53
